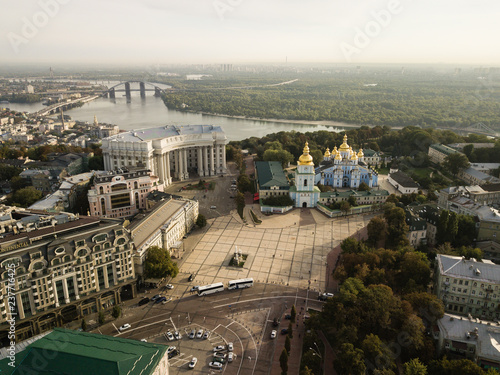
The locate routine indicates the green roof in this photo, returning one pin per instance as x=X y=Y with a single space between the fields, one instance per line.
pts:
x=443 y=149
x=79 y=353
x=270 y=173
x=354 y=193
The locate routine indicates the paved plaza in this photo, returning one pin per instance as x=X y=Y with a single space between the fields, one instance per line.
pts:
x=288 y=249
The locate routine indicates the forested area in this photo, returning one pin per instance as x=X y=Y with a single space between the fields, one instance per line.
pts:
x=380 y=320
x=424 y=99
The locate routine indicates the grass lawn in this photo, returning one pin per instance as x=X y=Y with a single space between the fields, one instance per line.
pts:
x=420 y=172
x=383 y=171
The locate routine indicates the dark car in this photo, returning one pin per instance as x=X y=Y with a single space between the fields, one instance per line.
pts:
x=143 y=301
x=173 y=353
x=161 y=299
x=284 y=331
x=276 y=322
x=288 y=316
x=191 y=277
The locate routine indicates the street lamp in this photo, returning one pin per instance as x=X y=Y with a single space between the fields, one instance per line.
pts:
x=317 y=354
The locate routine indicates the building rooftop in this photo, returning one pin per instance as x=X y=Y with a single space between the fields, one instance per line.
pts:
x=165 y=132
x=143 y=228
x=481 y=175
x=443 y=149
x=486 y=335
x=489 y=214
x=270 y=173
x=354 y=193
x=81 y=353
x=468 y=269
x=404 y=180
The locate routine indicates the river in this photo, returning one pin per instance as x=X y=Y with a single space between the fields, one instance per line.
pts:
x=151 y=112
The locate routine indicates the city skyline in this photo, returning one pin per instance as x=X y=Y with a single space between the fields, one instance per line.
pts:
x=238 y=31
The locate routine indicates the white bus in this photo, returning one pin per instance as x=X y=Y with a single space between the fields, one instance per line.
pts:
x=240 y=284
x=209 y=289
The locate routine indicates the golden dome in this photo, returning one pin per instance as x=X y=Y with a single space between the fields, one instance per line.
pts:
x=344 y=146
x=306 y=158
x=354 y=156
x=338 y=156
x=360 y=153
x=334 y=150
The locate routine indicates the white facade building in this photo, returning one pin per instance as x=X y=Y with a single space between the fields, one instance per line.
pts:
x=169 y=152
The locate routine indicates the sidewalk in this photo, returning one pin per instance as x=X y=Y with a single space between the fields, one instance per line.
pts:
x=295 y=343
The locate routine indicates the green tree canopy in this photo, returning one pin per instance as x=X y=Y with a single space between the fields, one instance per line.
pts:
x=456 y=162
x=158 y=264
x=201 y=221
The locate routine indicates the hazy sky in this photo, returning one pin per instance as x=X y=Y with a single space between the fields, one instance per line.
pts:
x=234 y=31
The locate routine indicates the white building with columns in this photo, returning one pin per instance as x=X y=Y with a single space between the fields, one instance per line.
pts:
x=170 y=152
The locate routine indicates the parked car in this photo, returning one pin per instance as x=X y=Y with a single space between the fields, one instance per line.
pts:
x=273 y=334
x=230 y=346
x=143 y=301
x=206 y=334
x=216 y=365
x=156 y=297
x=144 y=340
x=194 y=288
x=169 y=286
x=230 y=356
x=192 y=334
x=221 y=356
x=288 y=316
x=161 y=299
x=177 y=335
x=173 y=353
x=213 y=207
x=191 y=277
x=193 y=362
x=219 y=348
x=325 y=296
x=124 y=327
x=170 y=337
x=276 y=322
x=199 y=334
x=284 y=331
x=166 y=301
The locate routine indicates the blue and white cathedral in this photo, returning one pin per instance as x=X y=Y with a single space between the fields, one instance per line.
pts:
x=345 y=168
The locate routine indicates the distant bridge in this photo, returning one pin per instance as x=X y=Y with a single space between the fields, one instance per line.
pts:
x=54 y=108
x=478 y=128
x=111 y=92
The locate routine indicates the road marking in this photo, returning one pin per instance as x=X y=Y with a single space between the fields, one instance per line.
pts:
x=134 y=329
x=258 y=299
x=229 y=324
x=116 y=328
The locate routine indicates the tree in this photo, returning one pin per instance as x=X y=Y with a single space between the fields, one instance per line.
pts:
x=352 y=201
x=283 y=156
x=100 y=318
x=363 y=187
x=415 y=367
x=397 y=229
x=117 y=311
x=345 y=207
x=376 y=352
x=244 y=183
x=306 y=371
x=158 y=264
x=287 y=344
x=26 y=197
x=201 y=221
x=455 y=162
x=84 y=325
x=350 y=360
x=96 y=163
x=284 y=362
x=293 y=313
x=377 y=229
x=468 y=149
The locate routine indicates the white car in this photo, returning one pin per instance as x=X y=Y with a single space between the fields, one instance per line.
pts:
x=206 y=334
x=273 y=334
x=177 y=335
x=230 y=357
x=170 y=337
x=169 y=286
x=230 y=346
x=199 y=334
x=124 y=327
x=193 y=362
x=192 y=334
x=216 y=365
x=219 y=348
x=144 y=340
